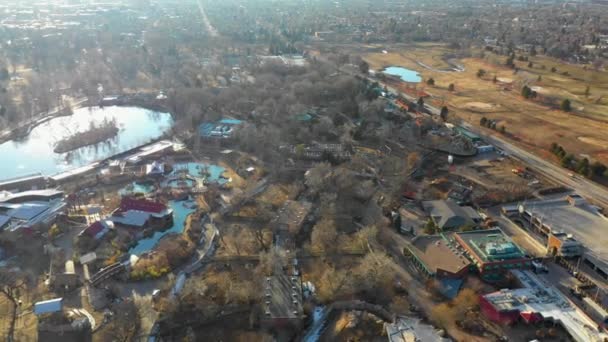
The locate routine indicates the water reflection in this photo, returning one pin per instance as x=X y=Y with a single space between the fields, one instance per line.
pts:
x=34 y=153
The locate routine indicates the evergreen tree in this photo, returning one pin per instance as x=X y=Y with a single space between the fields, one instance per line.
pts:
x=566 y=106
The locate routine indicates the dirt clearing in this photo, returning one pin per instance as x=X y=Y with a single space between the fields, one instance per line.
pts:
x=594 y=142
x=480 y=106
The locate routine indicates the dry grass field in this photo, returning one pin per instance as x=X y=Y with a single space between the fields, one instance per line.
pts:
x=535 y=124
x=26 y=326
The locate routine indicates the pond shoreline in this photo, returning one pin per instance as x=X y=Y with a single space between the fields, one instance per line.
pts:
x=19 y=133
x=136 y=127
x=132 y=100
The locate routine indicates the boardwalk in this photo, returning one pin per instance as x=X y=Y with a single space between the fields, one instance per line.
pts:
x=106 y=273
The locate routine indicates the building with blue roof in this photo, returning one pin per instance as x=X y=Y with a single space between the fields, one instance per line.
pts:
x=229 y=121
x=30 y=208
x=221 y=129
x=48 y=306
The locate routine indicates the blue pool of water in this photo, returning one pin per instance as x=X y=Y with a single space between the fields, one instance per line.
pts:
x=405 y=74
x=179 y=183
x=198 y=170
x=181 y=210
x=34 y=153
x=137 y=188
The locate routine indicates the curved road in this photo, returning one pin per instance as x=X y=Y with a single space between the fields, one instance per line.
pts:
x=582 y=186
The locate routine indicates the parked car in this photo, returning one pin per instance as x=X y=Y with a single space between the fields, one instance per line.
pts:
x=539 y=267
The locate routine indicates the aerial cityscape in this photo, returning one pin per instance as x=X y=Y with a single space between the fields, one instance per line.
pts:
x=304 y=170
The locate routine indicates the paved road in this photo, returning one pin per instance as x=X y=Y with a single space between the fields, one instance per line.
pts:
x=582 y=186
x=212 y=31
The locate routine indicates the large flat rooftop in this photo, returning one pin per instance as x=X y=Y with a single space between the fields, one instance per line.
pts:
x=436 y=253
x=18 y=215
x=583 y=221
x=538 y=297
x=491 y=245
x=292 y=215
x=31 y=195
x=283 y=297
x=406 y=329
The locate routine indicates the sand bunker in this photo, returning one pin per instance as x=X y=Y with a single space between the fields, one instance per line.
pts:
x=594 y=142
x=479 y=106
x=538 y=89
x=504 y=80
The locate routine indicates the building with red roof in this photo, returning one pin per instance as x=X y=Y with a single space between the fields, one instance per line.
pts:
x=135 y=212
x=98 y=229
x=131 y=203
x=538 y=300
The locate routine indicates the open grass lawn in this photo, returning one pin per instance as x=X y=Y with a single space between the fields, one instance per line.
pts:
x=534 y=124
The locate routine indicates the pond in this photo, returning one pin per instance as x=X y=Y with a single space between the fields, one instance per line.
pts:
x=210 y=173
x=181 y=210
x=405 y=74
x=34 y=153
x=181 y=183
x=138 y=188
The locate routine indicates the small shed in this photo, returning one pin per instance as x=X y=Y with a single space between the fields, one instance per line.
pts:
x=88 y=258
x=48 y=306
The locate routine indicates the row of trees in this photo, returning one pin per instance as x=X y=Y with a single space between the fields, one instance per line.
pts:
x=492 y=124
x=581 y=166
x=565 y=105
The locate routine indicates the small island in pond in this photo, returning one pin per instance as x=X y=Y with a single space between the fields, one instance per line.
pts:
x=96 y=133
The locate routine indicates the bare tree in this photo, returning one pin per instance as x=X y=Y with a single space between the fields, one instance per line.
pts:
x=324 y=235
x=318 y=177
x=125 y=323
x=412 y=159
x=332 y=283
x=11 y=285
x=271 y=260
x=260 y=236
